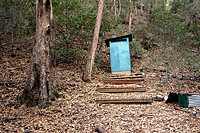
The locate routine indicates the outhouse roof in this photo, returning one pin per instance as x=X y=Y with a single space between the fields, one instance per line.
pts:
x=117 y=39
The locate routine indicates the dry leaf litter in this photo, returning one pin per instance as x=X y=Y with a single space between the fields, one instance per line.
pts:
x=76 y=111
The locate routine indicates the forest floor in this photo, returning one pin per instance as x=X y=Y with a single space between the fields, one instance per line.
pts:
x=76 y=110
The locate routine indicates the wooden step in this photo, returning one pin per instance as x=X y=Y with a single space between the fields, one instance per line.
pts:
x=124 y=101
x=120 y=89
x=122 y=81
x=125 y=77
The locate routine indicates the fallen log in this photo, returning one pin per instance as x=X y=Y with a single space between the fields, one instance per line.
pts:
x=124 y=101
x=121 y=89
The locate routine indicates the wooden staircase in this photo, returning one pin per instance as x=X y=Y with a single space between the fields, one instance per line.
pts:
x=119 y=89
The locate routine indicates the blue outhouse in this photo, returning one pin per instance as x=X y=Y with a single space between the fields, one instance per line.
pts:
x=120 y=54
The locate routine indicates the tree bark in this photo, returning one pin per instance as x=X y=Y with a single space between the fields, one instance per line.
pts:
x=90 y=61
x=52 y=45
x=131 y=16
x=38 y=89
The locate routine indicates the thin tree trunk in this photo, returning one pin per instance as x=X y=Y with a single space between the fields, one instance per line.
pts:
x=130 y=17
x=38 y=89
x=141 y=9
x=135 y=8
x=115 y=8
x=90 y=61
x=102 y=41
x=119 y=7
x=52 y=45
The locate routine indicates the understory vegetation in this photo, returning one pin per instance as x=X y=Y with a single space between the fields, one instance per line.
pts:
x=169 y=30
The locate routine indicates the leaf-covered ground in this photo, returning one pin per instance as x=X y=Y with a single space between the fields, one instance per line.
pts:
x=76 y=111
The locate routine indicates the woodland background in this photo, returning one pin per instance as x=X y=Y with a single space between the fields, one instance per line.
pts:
x=165 y=47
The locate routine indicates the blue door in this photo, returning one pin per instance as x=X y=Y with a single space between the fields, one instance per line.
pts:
x=120 y=56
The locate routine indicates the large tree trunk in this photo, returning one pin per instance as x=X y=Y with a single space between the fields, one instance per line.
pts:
x=90 y=61
x=38 y=90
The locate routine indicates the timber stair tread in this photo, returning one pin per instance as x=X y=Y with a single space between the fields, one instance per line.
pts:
x=123 y=80
x=120 y=89
x=123 y=89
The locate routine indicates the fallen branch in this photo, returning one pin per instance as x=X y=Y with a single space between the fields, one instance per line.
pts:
x=194 y=113
x=170 y=85
x=73 y=83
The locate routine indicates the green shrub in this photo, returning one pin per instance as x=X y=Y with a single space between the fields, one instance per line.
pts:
x=136 y=48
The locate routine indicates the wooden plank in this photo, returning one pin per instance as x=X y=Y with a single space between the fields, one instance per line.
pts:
x=124 y=101
x=122 y=81
x=125 y=77
x=121 y=89
x=122 y=73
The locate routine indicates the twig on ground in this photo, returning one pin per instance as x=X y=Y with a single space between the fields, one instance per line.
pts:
x=170 y=85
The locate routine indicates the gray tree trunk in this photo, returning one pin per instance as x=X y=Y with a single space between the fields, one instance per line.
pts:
x=90 y=61
x=38 y=89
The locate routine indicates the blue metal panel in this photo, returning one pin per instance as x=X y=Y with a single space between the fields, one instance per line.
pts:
x=120 y=56
x=113 y=36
